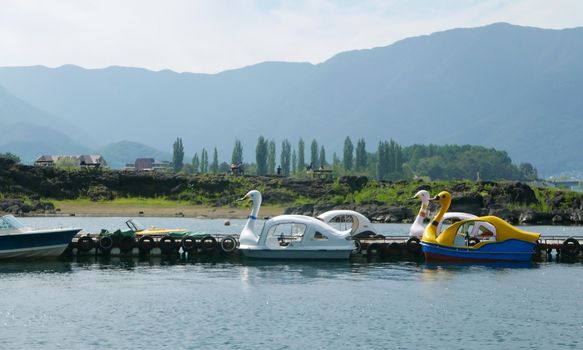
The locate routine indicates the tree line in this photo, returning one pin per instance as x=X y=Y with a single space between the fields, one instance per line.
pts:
x=388 y=161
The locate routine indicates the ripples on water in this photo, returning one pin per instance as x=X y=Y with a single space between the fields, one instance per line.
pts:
x=126 y=303
x=240 y=304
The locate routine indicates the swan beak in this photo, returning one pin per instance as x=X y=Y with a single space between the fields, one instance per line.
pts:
x=414 y=197
x=242 y=199
x=436 y=198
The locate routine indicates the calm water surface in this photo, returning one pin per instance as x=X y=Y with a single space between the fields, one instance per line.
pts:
x=240 y=304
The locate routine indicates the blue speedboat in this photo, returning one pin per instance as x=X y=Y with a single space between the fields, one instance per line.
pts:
x=19 y=241
x=480 y=239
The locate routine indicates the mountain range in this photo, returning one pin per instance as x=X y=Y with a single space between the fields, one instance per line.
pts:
x=509 y=87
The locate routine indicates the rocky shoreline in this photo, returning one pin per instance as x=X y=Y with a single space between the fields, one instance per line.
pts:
x=503 y=201
x=26 y=190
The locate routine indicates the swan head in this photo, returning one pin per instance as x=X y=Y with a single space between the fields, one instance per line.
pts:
x=443 y=198
x=423 y=195
x=253 y=196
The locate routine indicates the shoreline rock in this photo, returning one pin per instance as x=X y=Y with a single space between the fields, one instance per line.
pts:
x=23 y=186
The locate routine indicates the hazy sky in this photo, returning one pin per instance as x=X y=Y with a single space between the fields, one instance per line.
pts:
x=211 y=36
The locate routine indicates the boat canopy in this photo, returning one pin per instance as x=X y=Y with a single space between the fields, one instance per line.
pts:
x=9 y=222
x=486 y=228
x=349 y=221
x=286 y=230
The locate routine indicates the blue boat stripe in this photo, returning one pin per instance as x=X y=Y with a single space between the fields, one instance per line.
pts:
x=35 y=240
x=252 y=217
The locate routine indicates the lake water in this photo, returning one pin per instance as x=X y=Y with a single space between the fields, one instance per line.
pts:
x=240 y=304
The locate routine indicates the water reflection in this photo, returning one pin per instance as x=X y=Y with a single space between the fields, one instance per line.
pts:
x=37 y=266
x=491 y=265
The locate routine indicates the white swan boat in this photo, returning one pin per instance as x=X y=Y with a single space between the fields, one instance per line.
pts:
x=292 y=237
x=418 y=225
x=19 y=241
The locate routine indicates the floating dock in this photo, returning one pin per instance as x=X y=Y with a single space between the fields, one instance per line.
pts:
x=387 y=247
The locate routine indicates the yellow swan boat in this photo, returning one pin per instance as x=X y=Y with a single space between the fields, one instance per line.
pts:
x=480 y=239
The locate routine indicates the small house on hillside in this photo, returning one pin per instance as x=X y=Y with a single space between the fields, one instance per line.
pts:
x=92 y=161
x=151 y=164
x=45 y=161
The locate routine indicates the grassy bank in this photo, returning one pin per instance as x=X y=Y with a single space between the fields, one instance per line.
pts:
x=130 y=207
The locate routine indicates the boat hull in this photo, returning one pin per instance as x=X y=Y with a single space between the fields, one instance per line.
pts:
x=509 y=250
x=297 y=254
x=35 y=244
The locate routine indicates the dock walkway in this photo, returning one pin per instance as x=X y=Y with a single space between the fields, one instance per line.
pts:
x=390 y=247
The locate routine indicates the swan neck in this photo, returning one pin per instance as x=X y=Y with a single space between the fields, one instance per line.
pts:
x=430 y=233
x=422 y=213
x=255 y=211
x=248 y=236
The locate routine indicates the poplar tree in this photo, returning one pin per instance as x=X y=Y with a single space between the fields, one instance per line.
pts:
x=314 y=155
x=271 y=158
x=322 y=161
x=195 y=163
x=294 y=163
x=382 y=160
x=285 y=158
x=178 y=155
x=301 y=160
x=237 y=153
x=361 y=156
x=215 y=163
x=261 y=155
x=348 y=151
x=204 y=161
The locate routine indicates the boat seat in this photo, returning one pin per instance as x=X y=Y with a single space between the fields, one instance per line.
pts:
x=282 y=241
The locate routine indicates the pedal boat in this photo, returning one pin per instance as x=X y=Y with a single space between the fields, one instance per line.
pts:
x=292 y=237
x=18 y=241
x=481 y=239
x=140 y=230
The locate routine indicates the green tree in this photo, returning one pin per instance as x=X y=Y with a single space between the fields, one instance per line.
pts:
x=285 y=157
x=67 y=163
x=215 y=164
x=336 y=164
x=294 y=162
x=361 y=156
x=178 y=155
x=261 y=155
x=195 y=164
x=348 y=154
x=385 y=163
x=13 y=157
x=271 y=151
x=224 y=167
x=237 y=153
x=204 y=161
x=527 y=171
x=301 y=154
x=460 y=162
x=322 y=161
x=314 y=155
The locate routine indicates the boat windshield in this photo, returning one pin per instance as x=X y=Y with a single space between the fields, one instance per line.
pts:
x=344 y=223
x=285 y=233
x=8 y=222
x=134 y=225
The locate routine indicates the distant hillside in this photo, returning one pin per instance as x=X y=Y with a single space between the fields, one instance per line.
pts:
x=14 y=110
x=119 y=154
x=509 y=87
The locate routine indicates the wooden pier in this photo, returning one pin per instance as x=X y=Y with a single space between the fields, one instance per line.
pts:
x=389 y=247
